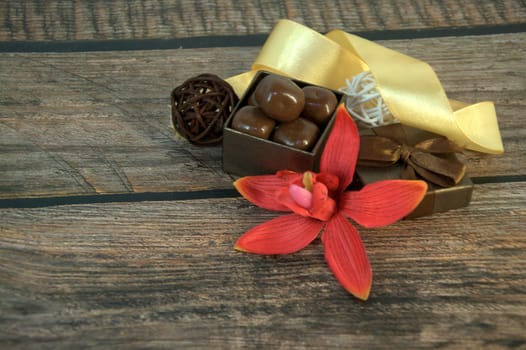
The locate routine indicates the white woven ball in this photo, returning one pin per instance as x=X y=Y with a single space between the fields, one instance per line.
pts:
x=364 y=102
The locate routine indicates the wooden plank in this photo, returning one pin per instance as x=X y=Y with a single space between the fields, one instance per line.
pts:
x=135 y=275
x=99 y=122
x=67 y=129
x=146 y=19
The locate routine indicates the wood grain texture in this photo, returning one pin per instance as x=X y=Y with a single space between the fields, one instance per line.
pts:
x=99 y=122
x=120 y=19
x=163 y=274
x=156 y=275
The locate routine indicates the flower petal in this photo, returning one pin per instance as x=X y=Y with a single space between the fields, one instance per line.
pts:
x=346 y=256
x=282 y=235
x=290 y=176
x=341 y=150
x=330 y=181
x=285 y=198
x=383 y=202
x=262 y=190
x=323 y=206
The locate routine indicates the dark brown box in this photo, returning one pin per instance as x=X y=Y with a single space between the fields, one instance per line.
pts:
x=244 y=154
x=437 y=199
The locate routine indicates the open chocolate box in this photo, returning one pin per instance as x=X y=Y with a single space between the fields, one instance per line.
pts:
x=244 y=154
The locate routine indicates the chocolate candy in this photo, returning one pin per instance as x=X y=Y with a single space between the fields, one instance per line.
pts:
x=252 y=100
x=280 y=98
x=251 y=120
x=319 y=104
x=300 y=133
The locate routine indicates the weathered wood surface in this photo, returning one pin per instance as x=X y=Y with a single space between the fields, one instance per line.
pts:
x=156 y=275
x=99 y=122
x=120 y=19
x=163 y=274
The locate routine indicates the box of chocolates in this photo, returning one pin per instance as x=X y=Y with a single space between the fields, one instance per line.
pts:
x=280 y=123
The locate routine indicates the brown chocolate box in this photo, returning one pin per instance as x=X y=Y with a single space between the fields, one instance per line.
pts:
x=437 y=199
x=244 y=154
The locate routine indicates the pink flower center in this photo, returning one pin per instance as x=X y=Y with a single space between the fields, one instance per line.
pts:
x=303 y=195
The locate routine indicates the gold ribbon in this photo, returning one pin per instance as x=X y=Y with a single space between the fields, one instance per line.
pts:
x=409 y=87
x=432 y=159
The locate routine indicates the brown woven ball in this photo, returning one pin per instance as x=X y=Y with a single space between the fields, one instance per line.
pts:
x=200 y=108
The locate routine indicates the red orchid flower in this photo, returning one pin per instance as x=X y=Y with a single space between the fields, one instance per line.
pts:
x=319 y=203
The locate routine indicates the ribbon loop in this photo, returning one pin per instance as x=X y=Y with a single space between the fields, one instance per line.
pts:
x=439 y=145
x=444 y=172
x=378 y=151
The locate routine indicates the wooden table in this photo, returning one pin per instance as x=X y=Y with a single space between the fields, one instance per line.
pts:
x=115 y=233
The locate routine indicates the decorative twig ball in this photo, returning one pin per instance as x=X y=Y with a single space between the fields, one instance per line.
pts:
x=364 y=102
x=200 y=108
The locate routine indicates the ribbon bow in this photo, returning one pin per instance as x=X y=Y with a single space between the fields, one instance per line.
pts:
x=409 y=87
x=432 y=159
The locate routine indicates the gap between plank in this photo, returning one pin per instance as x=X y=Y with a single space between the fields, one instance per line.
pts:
x=238 y=40
x=39 y=202
x=173 y=196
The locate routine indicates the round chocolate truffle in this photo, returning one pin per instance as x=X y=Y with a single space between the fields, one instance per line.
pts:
x=200 y=108
x=251 y=120
x=280 y=98
x=319 y=104
x=300 y=133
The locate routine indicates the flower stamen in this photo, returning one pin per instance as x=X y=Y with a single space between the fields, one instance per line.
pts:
x=307 y=181
x=303 y=195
